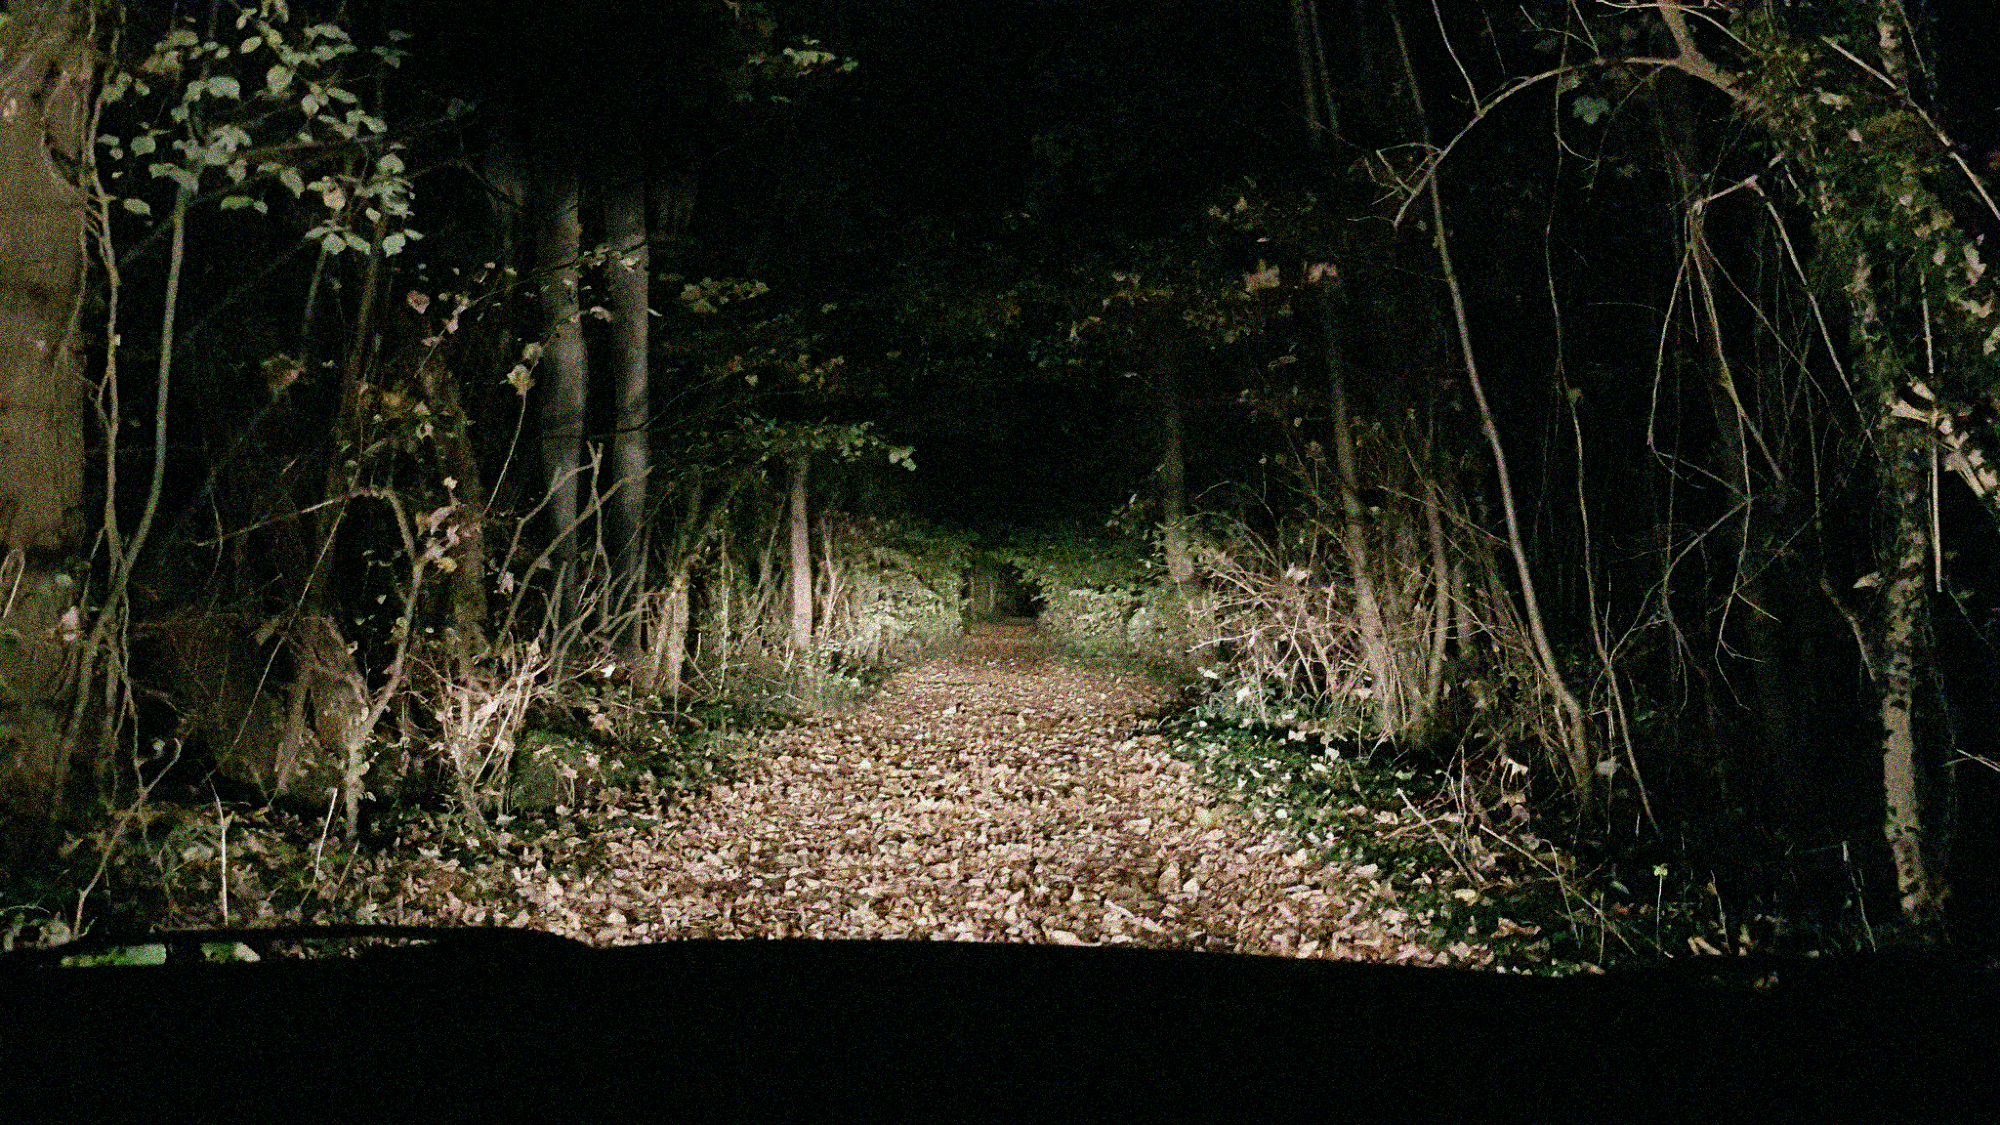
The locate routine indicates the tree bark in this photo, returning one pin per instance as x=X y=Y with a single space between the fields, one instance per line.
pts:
x=1442 y=592
x=1903 y=627
x=466 y=582
x=663 y=670
x=1173 y=478
x=47 y=68
x=629 y=276
x=565 y=382
x=1315 y=83
x=1901 y=630
x=1903 y=613
x=674 y=672
x=801 y=561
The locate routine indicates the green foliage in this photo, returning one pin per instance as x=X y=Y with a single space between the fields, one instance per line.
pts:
x=708 y=296
x=1543 y=909
x=1248 y=696
x=652 y=751
x=899 y=585
x=549 y=767
x=1101 y=594
x=774 y=75
x=854 y=441
x=1883 y=185
x=271 y=104
x=1590 y=109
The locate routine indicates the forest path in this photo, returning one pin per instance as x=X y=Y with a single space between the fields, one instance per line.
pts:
x=997 y=793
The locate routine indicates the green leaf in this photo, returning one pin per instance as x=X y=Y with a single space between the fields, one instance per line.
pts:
x=138 y=206
x=237 y=203
x=186 y=178
x=225 y=86
x=1590 y=109
x=278 y=79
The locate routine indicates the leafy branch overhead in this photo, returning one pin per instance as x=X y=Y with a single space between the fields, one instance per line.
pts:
x=232 y=117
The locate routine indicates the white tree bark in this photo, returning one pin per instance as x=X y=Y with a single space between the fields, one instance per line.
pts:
x=801 y=561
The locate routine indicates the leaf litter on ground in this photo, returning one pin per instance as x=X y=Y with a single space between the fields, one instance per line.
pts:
x=996 y=793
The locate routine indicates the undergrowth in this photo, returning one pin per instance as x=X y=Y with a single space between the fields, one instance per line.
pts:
x=1545 y=907
x=187 y=853
x=1456 y=820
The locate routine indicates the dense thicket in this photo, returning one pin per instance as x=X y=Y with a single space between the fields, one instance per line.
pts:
x=1595 y=397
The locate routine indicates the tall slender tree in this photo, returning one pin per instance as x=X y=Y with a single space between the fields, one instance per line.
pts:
x=1173 y=474
x=801 y=568
x=628 y=277
x=564 y=385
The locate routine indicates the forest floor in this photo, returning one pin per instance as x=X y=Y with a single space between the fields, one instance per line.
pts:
x=997 y=792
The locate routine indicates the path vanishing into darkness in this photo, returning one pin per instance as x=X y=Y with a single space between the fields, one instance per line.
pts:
x=996 y=793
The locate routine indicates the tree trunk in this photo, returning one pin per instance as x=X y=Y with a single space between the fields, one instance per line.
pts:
x=1905 y=604
x=721 y=594
x=760 y=601
x=325 y=741
x=629 y=276
x=801 y=561
x=1173 y=478
x=664 y=667
x=46 y=71
x=1316 y=88
x=466 y=581
x=565 y=379
x=1901 y=631
x=1442 y=593
x=1314 y=81
x=1376 y=651
x=674 y=670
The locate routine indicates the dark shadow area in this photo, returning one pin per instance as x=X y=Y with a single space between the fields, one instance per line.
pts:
x=939 y=1031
